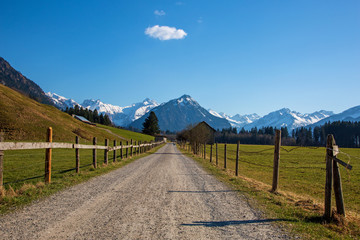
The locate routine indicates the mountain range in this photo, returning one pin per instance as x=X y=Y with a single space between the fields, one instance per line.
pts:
x=178 y=113
x=175 y=114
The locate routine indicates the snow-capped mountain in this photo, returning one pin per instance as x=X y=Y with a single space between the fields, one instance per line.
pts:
x=120 y=116
x=287 y=118
x=179 y=113
x=61 y=102
x=351 y=114
x=238 y=121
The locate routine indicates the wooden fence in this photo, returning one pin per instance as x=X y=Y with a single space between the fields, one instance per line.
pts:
x=49 y=145
x=333 y=179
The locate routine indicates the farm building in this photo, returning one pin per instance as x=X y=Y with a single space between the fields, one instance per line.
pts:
x=84 y=120
x=201 y=133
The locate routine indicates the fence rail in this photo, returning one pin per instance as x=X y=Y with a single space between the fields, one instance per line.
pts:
x=49 y=145
x=43 y=145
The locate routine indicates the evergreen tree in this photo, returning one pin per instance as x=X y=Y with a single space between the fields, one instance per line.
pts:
x=101 y=119
x=151 y=125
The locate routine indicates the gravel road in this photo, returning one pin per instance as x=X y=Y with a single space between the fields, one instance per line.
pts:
x=162 y=196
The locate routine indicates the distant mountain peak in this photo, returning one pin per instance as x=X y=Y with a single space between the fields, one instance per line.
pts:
x=177 y=114
x=61 y=102
x=185 y=100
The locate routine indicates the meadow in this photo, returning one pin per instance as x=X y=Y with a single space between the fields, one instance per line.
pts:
x=302 y=169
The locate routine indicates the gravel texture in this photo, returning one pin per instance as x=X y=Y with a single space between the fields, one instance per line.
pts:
x=162 y=196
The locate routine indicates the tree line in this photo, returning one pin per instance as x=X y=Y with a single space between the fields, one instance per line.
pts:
x=92 y=116
x=346 y=133
x=261 y=136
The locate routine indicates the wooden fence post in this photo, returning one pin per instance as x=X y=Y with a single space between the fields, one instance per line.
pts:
x=106 y=151
x=114 y=160
x=217 y=155
x=1 y=162
x=340 y=208
x=77 y=155
x=121 y=150
x=127 y=149
x=204 y=150
x=131 y=148
x=276 y=160
x=329 y=172
x=211 y=147
x=225 y=155
x=94 y=153
x=48 y=157
x=237 y=159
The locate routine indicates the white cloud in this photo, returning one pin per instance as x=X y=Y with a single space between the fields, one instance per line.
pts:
x=165 y=32
x=200 y=20
x=159 y=13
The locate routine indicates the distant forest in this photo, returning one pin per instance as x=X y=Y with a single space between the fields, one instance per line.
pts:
x=347 y=134
x=92 y=116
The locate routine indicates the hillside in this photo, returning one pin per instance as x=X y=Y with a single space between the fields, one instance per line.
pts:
x=15 y=80
x=24 y=119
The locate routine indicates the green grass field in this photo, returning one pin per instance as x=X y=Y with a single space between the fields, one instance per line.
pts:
x=302 y=170
x=301 y=186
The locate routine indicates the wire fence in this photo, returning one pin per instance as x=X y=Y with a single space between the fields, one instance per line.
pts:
x=302 y=169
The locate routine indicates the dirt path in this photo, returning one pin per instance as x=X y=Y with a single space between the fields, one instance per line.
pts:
x=162 y=196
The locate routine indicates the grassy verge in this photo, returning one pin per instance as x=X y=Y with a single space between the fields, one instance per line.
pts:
x=299 y=200
x=18 y=194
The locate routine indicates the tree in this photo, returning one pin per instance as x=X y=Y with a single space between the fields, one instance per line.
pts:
x=151 y=125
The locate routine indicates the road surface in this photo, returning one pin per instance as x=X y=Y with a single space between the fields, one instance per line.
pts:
x=162 y=196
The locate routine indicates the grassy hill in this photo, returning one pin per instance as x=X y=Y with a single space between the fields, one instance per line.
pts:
x=23 y=119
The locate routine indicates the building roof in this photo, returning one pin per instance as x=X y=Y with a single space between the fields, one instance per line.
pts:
x=203 y=122
x=81 y=118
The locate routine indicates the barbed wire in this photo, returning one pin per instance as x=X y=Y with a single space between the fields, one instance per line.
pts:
x=256 y=164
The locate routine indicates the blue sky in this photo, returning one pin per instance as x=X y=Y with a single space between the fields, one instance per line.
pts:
x=232 y=56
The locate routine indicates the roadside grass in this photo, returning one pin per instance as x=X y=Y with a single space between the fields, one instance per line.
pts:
x=301 y=187
x=19 y=165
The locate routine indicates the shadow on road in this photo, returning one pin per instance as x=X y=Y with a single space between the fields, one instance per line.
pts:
x=214 y=191
x=227 y=223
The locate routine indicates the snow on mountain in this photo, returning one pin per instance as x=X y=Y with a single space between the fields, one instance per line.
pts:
x=248 y=118
x=101 y=107
x=351 y=114
x=287 y=118
x=237 y=120
x=177 y=114
x=121 y=116
x=61 y=102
